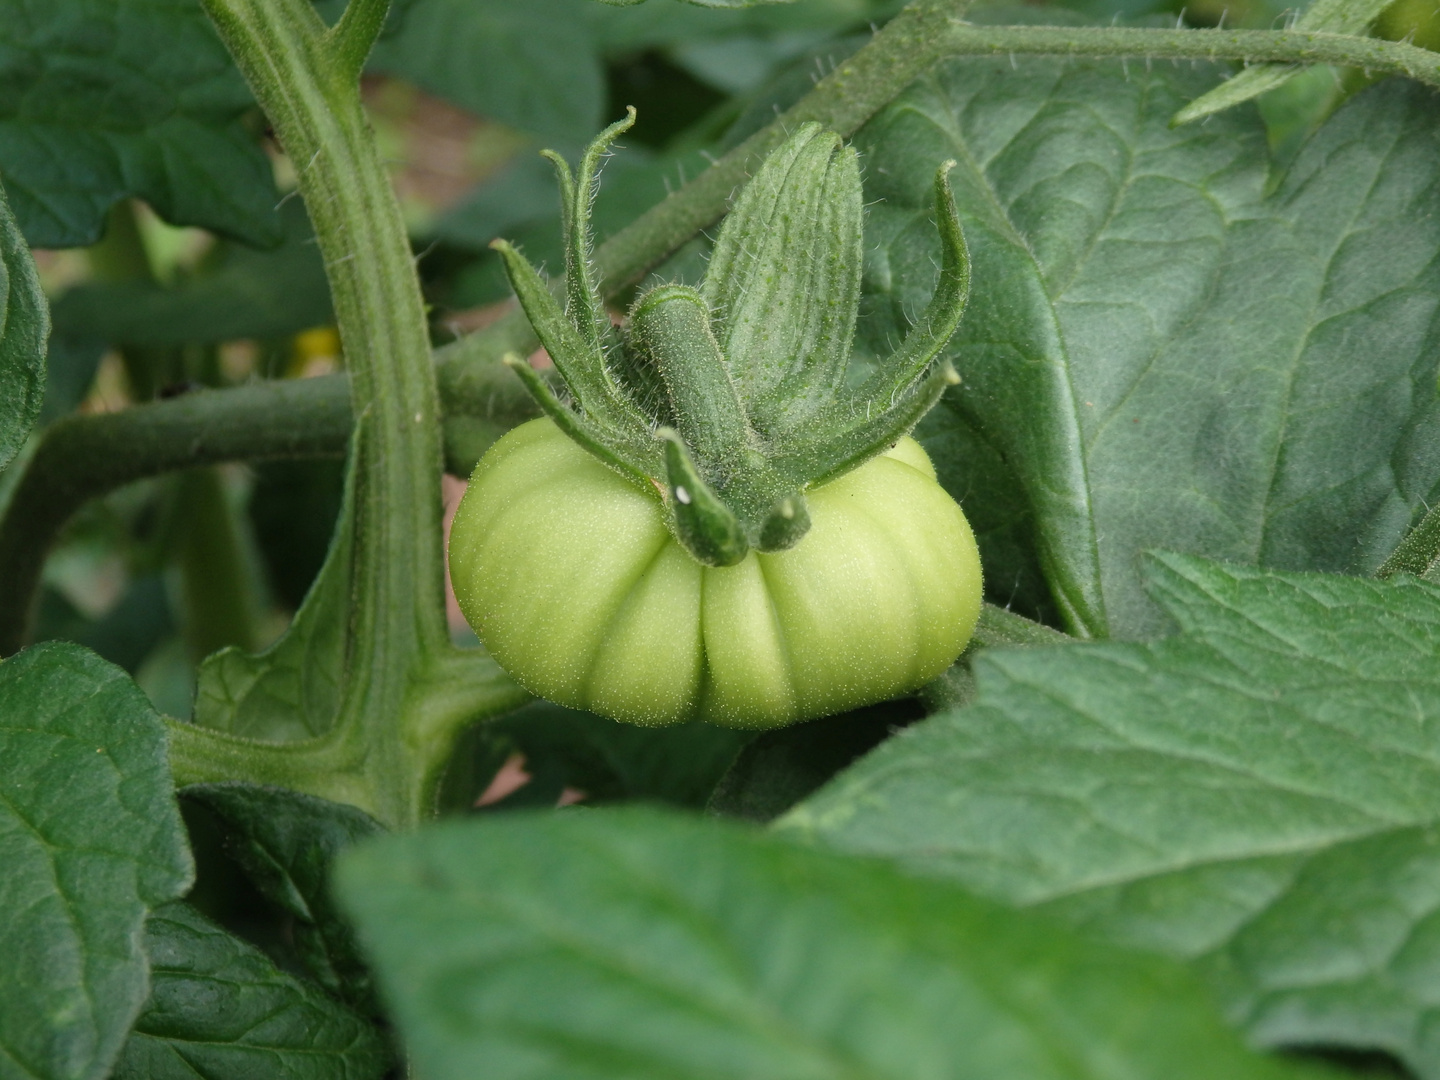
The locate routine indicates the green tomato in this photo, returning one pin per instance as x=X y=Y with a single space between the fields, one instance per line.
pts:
x=568 y=574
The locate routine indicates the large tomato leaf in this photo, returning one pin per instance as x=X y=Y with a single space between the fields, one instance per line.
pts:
x=1156 y=353
x=102 y=100
x=286 y=843
x=219 y=1008
x=24 y=328
x=90 y=841
x=634 y=943
x=1260 y=795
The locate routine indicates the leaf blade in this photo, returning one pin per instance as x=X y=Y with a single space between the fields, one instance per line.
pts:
x=138 y=100
x=1163 y=355
x=91 y=839
x=222 y=1010
x=24 y=332
x=634 y=943
x=1239 y=797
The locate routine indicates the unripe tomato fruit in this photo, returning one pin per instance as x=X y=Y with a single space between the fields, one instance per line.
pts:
x=568 y=574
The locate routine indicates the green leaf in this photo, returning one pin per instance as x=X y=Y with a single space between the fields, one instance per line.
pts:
x=99 y=101
x=24 y=328
x=633 y=943
x=499 y=59
x=1260 y=796
x=286 y=843
x=1162 y=355
x=242 y=294
x=90 y=841
x=220 y=1009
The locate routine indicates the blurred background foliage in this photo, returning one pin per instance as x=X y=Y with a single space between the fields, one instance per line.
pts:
x=463 y=93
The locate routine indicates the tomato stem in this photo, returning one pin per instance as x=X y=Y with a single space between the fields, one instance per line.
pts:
x=306 y=78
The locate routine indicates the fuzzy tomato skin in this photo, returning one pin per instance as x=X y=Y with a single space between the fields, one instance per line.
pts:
x=572 y=581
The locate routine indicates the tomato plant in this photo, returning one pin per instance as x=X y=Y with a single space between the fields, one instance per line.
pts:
x=1153 y=303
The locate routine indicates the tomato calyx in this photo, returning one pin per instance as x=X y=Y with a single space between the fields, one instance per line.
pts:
x=732 y=398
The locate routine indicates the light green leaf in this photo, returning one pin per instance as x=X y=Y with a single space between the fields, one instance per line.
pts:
x=101 y=100
x=90 y=841
x=1260 y=796
x=24 y=328
x=220 y=1009
x=1330 y=16
x=632 y=943
x=1159 y=354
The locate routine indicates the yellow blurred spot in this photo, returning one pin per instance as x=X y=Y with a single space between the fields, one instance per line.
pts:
x=314 y=352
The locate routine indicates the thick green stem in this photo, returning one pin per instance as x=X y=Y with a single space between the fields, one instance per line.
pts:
x=306 y=78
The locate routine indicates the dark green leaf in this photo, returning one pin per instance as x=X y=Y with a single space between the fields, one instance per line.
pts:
x=293 y=510
x=126 y=635
x=779 y=768
x=499 y=59
x=630 y=943
x=243 y=293
x=24 y=327
x=1161 y=354
x=101 y=100
x=221 y=1010
x=286 y=842
x=70 y=367
x=610 y=761
x=90 y=840
x=1260 y=795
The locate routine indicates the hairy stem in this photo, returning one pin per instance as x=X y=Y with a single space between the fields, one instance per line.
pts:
x=1250 y=46
x=306 y=78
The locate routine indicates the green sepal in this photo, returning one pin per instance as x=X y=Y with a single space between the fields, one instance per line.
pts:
x=870 y=436
x=942 y=315
x=584 y=304
x=582 y=368
x=599 y=442
x=786 y=524
x=707 y=527
x=784 y=279
x=670 y=329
